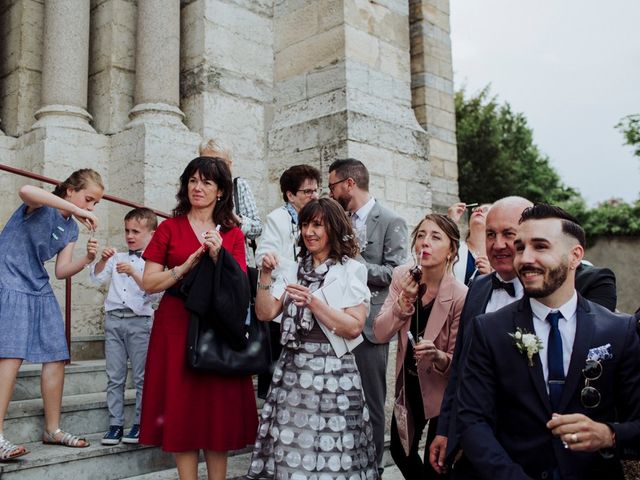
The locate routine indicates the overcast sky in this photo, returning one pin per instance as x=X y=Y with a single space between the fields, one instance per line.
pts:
x=572 y=67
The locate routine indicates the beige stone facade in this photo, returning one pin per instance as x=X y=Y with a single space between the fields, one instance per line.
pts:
x=130 y=88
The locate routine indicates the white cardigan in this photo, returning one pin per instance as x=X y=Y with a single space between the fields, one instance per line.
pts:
x=279 y=235
x=346 y=286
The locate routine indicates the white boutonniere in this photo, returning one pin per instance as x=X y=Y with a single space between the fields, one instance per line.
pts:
x=527 y=343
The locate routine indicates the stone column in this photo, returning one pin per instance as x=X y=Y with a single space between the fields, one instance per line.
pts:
x=65 y=65
x=432 y=94
x=157 y=95
x=343 y=89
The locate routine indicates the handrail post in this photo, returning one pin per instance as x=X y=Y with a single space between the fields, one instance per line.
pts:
x=67 y=314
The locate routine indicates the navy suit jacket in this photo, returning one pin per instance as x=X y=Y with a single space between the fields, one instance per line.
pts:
x=593 y=283
x=503 y=404
x=476 y=302
x=597 y=284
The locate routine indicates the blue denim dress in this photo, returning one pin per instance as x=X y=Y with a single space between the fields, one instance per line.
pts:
x=31 y=325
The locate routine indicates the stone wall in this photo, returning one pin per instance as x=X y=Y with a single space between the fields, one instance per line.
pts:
x=227 y=80
x=342 y=74
x=622 y=255
x=131 y=87
x=21 y=25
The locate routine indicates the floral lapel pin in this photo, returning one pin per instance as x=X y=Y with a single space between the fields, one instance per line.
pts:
x=526 y=343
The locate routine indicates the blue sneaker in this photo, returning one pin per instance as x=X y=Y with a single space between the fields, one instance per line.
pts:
x=133 y=434
x=113 y=436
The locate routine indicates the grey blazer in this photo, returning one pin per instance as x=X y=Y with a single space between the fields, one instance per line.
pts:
x=387 y=241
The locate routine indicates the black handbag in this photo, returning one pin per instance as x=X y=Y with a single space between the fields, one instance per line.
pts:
x=208 y=349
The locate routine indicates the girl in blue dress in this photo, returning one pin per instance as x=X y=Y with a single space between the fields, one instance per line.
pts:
x=31 y=325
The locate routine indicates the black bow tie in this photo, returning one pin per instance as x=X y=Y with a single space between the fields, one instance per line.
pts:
x=507 y=287
x=137 y=253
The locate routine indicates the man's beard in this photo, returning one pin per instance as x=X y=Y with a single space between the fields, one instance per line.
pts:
x=344 y=201
x=551 y=282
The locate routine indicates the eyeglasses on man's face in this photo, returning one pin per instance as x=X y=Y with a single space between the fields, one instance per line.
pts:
x=589 y=396
x=333 y=185
x=310 y=192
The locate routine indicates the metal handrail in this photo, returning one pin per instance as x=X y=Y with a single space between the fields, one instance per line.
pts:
x=110 y=198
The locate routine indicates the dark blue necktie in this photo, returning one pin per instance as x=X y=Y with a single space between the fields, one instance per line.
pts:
x=555 y=362
x=137 y=253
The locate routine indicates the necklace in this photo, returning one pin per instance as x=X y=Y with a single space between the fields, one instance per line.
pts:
x=202 y=229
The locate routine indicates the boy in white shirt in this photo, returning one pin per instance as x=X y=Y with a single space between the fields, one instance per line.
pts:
x=127 y=322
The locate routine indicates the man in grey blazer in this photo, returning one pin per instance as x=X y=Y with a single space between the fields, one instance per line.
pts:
x=383 y=239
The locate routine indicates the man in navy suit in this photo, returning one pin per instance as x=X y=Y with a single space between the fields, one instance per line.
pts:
x=487 y=294
x=551 y=383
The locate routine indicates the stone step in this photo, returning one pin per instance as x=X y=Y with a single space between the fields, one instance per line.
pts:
x=239 y=471
x=238 y=466
x=94 y=462
x=81 y=414
x=86 y=376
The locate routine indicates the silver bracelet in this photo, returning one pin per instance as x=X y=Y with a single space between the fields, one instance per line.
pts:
x=264 y=286
x=175 y=275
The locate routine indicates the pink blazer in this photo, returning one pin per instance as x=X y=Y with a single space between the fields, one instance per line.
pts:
x=442 y=329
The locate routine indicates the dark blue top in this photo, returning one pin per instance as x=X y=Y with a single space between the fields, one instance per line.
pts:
x=29 y=240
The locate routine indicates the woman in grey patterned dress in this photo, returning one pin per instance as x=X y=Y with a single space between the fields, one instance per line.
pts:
x=314 y=424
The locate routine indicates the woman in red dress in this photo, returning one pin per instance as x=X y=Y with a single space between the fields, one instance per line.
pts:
x=184 y=411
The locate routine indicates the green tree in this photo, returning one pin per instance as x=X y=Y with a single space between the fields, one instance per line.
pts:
x=497 y=156
x=630 y=128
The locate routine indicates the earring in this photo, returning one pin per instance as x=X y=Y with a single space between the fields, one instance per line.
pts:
x=219 y=197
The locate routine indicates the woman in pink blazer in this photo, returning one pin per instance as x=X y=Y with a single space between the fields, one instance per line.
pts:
x=423 y=306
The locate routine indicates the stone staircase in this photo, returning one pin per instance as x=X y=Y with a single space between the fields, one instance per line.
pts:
x=84 y=411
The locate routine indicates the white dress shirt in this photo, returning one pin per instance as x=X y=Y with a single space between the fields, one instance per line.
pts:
x=359 y=222
x=124 y=292
x=500 y=298
x=566 y=325
x=359 y=217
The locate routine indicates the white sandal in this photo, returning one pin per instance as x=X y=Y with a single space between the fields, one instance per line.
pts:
x=9 y=451
x=67 y=439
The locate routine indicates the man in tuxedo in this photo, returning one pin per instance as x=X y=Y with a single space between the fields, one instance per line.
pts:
x=491 y=292
x=551 y=384
x=383 y=239
x=487 y=293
